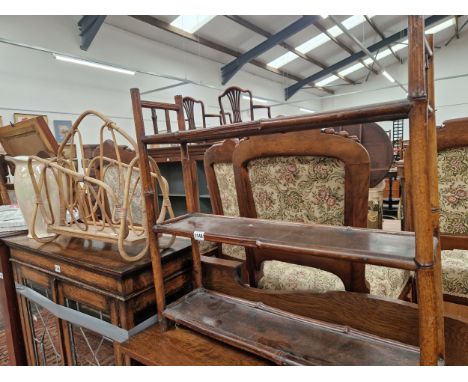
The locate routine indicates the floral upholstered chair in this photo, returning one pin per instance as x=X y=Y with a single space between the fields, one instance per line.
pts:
x=316 y=178
x=284 y=275
x=452 y=147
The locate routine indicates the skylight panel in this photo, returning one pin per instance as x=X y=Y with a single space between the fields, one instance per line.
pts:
x=326 y=81
x=441 y=26
x=317 y=41
x=351 y=69
x=191 y=23
x=350 y=22
x=282 y=60
x=313 y=43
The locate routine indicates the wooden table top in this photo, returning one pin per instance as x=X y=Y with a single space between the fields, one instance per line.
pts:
x=93 y=255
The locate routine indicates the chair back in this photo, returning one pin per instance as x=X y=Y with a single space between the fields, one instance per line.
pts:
x=222 y=187
x=309 y=177
x=234 y=95
x=189 y=107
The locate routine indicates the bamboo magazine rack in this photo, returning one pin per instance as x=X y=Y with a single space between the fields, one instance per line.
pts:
x=307 y=328
x=102 y=200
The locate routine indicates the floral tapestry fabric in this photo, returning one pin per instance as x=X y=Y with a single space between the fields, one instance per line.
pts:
x=453 y=190
x=386 y=282
x=224 y=173
x=227 y=188
x=111 y=177
x=299 y=189
x=306 y=189
x=284 y=276
x=455 y=272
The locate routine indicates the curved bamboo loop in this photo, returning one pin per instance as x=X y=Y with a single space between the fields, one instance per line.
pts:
x=89 y=207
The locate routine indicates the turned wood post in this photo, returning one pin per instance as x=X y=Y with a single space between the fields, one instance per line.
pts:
x=421 y=169
x=435 y=207
x=189 y=171
x=151 y=207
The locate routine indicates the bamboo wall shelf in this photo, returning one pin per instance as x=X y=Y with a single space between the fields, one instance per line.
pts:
x=391 y=249
x=278 y=336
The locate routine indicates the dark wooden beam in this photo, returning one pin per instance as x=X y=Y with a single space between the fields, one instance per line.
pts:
x=382 y=36
x=254 y=28
x=228 y=71
x=220 y=48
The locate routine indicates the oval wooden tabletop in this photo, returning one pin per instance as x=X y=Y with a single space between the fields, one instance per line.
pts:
x=376 y=141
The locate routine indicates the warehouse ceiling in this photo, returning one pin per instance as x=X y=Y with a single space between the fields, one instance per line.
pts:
x=289 y=49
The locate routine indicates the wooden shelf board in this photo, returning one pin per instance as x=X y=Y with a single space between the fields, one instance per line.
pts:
x=282 y=337
x=392 y=249
x=387 y=111
x=184 y=347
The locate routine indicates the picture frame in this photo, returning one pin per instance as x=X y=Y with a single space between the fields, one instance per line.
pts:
x=28 y=137
x=18 y=117
x=61 y=128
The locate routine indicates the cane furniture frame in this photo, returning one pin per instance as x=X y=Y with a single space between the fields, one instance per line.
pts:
x=420 y=251
x=89 y=207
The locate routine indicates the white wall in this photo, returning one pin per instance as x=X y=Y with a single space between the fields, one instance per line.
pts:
x=451 y=94
x=34 y=82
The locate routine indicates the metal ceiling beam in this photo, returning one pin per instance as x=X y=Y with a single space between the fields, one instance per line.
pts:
x=254 y=28
x=220 y=48
x=293 y=89
x=364 y=49
x=382 y=36
x=342 y=45
x=228 y=71
x=89 y=27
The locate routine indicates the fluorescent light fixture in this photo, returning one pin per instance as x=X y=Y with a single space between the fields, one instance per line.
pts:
x=441 y=26
x=255 y=99
x=306 y=110
x=324 y=16
x=191 y=23
x=317 y=41
x=93 y=64
x=389 y=77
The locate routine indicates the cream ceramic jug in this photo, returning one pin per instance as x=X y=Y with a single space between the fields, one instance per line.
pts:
x=26 y=197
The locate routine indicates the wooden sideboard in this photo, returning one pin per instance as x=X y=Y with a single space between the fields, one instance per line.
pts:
x=88 y=277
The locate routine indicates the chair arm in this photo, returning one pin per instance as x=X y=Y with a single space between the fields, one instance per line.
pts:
x=263 y=107
x=214 y=116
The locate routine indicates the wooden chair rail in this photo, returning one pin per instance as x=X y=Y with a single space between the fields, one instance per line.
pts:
x=159 y=105
x=350 y=116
